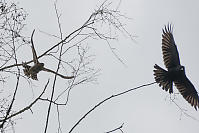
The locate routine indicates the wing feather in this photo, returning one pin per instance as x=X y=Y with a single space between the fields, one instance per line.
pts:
x=188 y=91
x=169 y=49
x=35 y=59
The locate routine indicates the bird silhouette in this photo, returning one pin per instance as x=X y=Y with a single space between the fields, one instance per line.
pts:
x=175 y=71
x=32 y=71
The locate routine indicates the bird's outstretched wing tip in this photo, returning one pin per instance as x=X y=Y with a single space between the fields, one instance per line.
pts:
x=196 y=106
x=168 y=28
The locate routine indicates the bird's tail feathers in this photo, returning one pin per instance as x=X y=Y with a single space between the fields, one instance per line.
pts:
x=161 y=77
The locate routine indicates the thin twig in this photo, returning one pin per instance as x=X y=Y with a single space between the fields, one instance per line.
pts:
x=58 y=66
x=118 y=128
x=30 y=105
x=107 y=99
x=17 y=82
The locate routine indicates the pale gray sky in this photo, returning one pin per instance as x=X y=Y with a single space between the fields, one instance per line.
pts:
x=145 y=110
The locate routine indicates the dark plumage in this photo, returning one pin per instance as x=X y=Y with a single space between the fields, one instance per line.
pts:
x=175 y=72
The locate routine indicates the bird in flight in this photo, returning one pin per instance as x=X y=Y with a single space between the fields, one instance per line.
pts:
x=32 y=71
x=175 y=72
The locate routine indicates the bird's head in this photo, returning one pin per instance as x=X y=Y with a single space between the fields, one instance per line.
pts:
x=181 y=68
x=42 y=64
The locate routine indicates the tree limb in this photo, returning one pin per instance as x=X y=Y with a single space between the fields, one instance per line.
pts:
x=107 y=99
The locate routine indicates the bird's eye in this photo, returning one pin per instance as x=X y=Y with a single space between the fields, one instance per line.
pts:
x=182 y=68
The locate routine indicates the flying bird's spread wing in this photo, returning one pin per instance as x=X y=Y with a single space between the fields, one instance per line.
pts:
x=188 y=91
x=35 y=60
x=175 y=72
x=169 y=49
x=32 y=71
x=62 y=76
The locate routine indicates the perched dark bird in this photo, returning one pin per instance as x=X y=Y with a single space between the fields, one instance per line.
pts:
x=175 y=71
x=32 y=71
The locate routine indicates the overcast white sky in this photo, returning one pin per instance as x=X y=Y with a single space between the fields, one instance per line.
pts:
x=145 y=110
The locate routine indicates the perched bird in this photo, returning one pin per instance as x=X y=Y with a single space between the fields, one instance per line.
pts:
x=175 y=71
x=32 y=71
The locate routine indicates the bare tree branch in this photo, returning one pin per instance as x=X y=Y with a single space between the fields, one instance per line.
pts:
x=58 y=66
x=182 y=111
x=30 y=105
x=107 y=99
x=116 y=129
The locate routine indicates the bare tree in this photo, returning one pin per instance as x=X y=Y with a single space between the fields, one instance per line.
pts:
x=78 y=66
x=11 y=24
x=73 y=70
